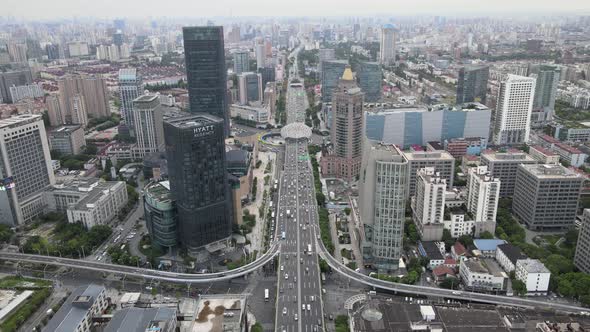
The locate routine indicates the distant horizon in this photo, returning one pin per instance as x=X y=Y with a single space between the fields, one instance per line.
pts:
x=261 y=9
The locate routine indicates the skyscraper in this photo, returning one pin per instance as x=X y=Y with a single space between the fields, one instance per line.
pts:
x=483 y=195
x=546 y=90
x=206 y=72
x=370 y=79
x=25 y=168
x=582 y=256
x=195 y=150
x=241 y=61
x=250 y=87
x=331 y=72
x=130 y=87
x=387 y=45
x=260 y=55
x=382 y=205
x=147 y=119
x=325 y=54
x=472 y=84
x=92 y=88
x=346 y=131
x=512 y=119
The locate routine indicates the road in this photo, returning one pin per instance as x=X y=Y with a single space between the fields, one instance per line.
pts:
x=299 y=303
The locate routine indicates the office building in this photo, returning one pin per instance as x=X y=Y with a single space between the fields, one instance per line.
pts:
x=325 y=54
x=472 y=84
x=195 y=149
x=25 y=91
x=503 y=166
x=130 y=87
x=206 y=73
x=382 y=205
x=428 y=205
x=346 y=131
x=268 y=75
x=547 y=79
x=534 y=275
x=13 y=77
x=67 y=139
x=332 y=71
x=147 y=121
x=387 y=45
x=370 y=78
x=483 y=195
x=546 y=196
x=162 y=319
x=250 y=88
x=241 y=61
x=25 y=167
x=418 y=126
x=442 y=162
x=260 y=55
x=77 y=312
x=258 y=114
x=582 y=256
x=94 y=96
x=160 y=214
x=512 y=119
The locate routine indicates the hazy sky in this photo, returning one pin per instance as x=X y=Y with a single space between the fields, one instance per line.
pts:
x=33 y=9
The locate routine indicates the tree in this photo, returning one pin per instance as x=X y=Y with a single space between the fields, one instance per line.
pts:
x=486 y=235
x=5 y=233
x=447 y=238
x=257 y=327
x=559 y=264
x=320 y=198
x=466 y=240
x=347 y=211
x=519 y=287
x=449 y=283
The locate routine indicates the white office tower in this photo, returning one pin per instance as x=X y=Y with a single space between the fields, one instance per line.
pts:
x=149 y=128
x=428 y=205
x=483 y=195
x=387 y=47
x=382 y=204
x=512 y=120
x=25 y=168
x=130 y=87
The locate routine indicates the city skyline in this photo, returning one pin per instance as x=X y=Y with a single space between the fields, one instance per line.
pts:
x=261 y=8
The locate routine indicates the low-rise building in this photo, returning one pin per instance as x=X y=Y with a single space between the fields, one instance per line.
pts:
x=487 y=247
x=78 y=310
x=220 y=313
x=543 y=155
x=507 y=255
x=568 y=153
x=257 y=113
x=458 y=222
x=67 y=139
x=483 y=275
x=143 y=319
x=534 y=275
x=435 y=251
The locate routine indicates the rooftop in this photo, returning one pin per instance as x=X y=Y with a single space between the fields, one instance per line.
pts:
x=512 y=252
x=193 y=120
x=532 y=265
x=543 y=150
x=487 y=244
x=142 y=320
x=515 y=156
x=159 y=191
x=296 y=130
x=17 y=120
x=543 y=171
x=67 y=318
x=65 y=129
x=219 y=313
x=418 y=155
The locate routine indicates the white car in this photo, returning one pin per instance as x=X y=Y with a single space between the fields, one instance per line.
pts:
x=282 y=268
x=284 y=310
x=286 y=276
x=308 y=307
x=303 y=307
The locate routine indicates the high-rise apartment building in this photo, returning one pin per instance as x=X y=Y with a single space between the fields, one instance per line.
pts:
x=370 y=78
x=78 y=114
x=332 y=71
x=472 y=84
x=546 y=196
x=25 y=168
x=241 y=61
x=250 y=88
x=483 y=195
x=260 y=55
x=382 y=205
x=512 y=119
x=93 y=92
x=442 y=162
x=547 y=79
x=130 y=87
x=503 y=166
x=54 y=111
x=206 y=73
x=428 y=205
x=346 y=131
x=195 y=150
x=582 y=256
x=147 y=119
x=387 y=44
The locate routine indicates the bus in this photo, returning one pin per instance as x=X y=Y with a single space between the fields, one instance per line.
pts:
x=309 y=249
x=266 y=297
x=283 y=235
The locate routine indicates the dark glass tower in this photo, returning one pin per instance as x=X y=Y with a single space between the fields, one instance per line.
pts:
x=206 y=72
x=195 y=149
x=472 y=84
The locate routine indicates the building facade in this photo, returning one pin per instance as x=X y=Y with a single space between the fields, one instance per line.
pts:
x=195 y=149
x=547 y=79
x=160 y=214
x=370 y=78
x=241 y=61
x=483 y=196
x=512 y=120
x=67 y=140
x=25 y=168
x=546 y=196
x=13 y=77
x=442 y=162
x=130 y=87
x=250 y=88
x=503 y=165
x=582 y=255
x=428 y=205
x=78 y=310
x=332 y=71
x=382 y=206
x=387 y=45
x=472 y=84
x=205 y=71
x=149 y=128
x=534 y=275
